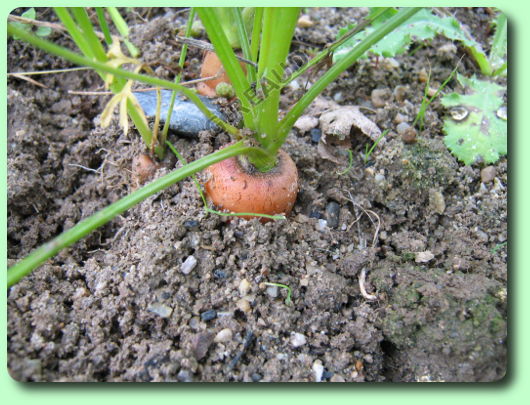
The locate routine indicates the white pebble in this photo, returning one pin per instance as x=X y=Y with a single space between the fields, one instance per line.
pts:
x=424 y=257
x=318 y=370
x=272 y=291
x=379 y=178
x=304 y=22
x=188 y=265
x=223 y=335
x=298 y=339
x=161 y=310
x=321 y=225
x=294 y=85
x=338 y=97
x=244 y=287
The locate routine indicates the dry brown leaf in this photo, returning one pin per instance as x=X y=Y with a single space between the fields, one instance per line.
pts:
x=340 y=121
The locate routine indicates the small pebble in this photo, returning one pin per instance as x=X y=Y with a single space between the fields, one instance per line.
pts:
x=337 y=378
x=209 y=315
x=315 y=134
x=379 y=178
x=390 y=64
x=244 y=287
x=321 y=225
x=402 y=127
x=194 y=322
x=332 y=214
x=201 y=343
x=424 y=257
x=338 y=97
x=400 y=93
x=318 y=370
x=161 y=310
x=380 y=97
x=184 y=376
x=243 y=305
x=482 y=235
x=188 y=265
x=488 y=174
x=298 y=339
x=437 y=201
x=304 y=22
x=423 y=76
x=220 y=274
x=191 y=224
x=399 y=118
x=294 y=85
x=256 y=377
x=224 y=335
x=409 y=136
x=447 y=50
x=272 y=291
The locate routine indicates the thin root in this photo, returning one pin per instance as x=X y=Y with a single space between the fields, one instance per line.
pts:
x=362 y=280
x=369 y=214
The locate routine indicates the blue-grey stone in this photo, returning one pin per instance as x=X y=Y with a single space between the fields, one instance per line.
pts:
x=332 y=214
x=186 y=118
x=315 y=134
x=209 y=315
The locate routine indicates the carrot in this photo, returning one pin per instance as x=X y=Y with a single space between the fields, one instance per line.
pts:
x=212 y=66
x=143 y=169
x=234 y=185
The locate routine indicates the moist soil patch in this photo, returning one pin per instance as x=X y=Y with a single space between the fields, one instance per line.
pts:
x=397 y=266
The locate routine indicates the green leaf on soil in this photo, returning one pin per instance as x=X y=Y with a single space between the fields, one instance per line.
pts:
x=30 y=14
x=421 y=27
x=476 y=130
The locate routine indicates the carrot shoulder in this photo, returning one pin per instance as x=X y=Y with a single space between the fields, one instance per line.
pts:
x=237 y=188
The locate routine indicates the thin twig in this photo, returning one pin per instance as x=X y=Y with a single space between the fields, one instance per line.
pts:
x=37 y=23
x=52 y=71
x=197 y=43
x=28 y=79
x=108 y=93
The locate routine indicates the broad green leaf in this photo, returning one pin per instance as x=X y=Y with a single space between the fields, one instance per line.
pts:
x=476 y=128
x=31 y=14
x=421 y=27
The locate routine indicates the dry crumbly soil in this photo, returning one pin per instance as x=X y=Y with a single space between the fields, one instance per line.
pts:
x=428 y=233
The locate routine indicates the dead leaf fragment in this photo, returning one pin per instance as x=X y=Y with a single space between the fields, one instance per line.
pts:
x=340 y=121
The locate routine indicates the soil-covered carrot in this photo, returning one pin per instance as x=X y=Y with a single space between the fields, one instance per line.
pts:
x=212 y=67
x=234 y=185
x=143 y=169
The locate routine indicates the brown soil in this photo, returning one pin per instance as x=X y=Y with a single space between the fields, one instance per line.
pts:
x=427 y=232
